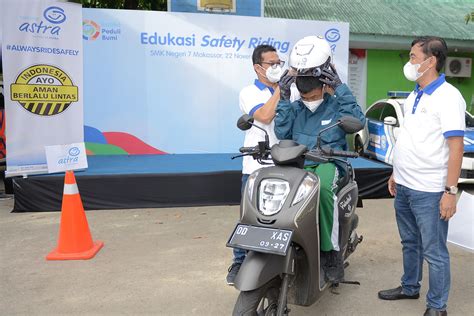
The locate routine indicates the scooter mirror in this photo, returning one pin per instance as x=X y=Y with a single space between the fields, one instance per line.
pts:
x=245 y=122
x=350 y=124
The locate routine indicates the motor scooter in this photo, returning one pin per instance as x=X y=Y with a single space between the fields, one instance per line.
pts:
x=279 y=224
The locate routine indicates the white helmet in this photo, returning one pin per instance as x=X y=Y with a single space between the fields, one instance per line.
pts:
x=310 y=52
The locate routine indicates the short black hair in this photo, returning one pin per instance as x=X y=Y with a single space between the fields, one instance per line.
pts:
x=433 y=46
x=259 y=51
x=308 y=83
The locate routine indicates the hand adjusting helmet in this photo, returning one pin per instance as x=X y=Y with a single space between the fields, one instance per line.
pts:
x=310 y=56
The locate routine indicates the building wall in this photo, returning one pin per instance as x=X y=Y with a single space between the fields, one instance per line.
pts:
x=385 y=73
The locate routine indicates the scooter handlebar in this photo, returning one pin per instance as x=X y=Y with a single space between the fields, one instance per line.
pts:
x=248 y=149
x=341 y=153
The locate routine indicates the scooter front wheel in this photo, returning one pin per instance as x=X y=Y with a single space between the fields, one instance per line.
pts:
x=259 y=302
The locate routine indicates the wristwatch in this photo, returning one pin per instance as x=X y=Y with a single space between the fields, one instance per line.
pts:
x=451 y=190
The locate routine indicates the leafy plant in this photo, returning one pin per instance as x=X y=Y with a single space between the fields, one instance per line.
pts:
x=469 y=17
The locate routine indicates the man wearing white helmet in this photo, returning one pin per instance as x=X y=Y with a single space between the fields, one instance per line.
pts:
x=324 y=99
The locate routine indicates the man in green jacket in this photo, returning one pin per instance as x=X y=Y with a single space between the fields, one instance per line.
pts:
x=324 y=99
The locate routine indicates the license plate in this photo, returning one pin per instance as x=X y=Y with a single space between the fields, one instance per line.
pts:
x=261 y=239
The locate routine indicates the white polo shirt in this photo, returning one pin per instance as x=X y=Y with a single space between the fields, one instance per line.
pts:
x=252 y=98
x=431 y=115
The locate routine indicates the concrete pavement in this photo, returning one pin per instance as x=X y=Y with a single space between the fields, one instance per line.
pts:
x=174 y=261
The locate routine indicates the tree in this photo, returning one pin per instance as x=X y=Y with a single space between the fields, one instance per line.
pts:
x=156 y=5
x=130 y=4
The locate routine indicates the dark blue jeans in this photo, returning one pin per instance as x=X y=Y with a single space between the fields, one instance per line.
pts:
x=239 y=254
x=423 y=234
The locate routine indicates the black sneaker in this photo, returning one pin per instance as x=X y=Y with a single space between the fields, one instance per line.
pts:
x=334 y=267
x=233 y=270
x=396 y=294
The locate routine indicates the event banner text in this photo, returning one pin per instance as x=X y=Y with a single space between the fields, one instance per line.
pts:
x=234 y=43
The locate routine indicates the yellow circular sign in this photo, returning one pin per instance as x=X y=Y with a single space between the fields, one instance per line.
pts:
x=44 y=90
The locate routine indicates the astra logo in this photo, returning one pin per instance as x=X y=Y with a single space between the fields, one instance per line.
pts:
x=72 y=157
x=67 y=160
x=54 y=15
x=74 y=151
x=332 y=36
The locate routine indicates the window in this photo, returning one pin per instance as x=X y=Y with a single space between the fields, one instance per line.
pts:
x=469 y=120
x=388 y=110
x=375 y=111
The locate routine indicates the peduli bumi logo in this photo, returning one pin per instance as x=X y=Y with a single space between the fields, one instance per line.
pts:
x=44 y=90
x=90 y=30
x=106 y=30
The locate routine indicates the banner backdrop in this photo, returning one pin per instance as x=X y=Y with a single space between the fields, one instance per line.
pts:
x=42 y=72
x=159 y=82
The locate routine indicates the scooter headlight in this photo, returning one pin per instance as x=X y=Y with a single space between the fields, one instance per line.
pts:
x=305 y=188
x=272 y=195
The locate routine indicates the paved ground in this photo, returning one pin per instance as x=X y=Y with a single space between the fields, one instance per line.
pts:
x=174 y=261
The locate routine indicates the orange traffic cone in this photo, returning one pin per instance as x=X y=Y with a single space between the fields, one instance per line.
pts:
x=75 y=240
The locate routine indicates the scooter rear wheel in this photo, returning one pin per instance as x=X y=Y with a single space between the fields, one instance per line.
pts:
x=259 y=302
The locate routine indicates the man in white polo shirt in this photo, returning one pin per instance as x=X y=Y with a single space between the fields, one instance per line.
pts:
x=258 y=100
x=426 y=167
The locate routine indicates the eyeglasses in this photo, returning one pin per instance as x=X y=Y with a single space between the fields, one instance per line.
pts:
x=281 y=63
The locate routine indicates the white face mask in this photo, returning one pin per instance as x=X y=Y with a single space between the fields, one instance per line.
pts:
x=411 y=71
x=274 y=74
x=313 y=105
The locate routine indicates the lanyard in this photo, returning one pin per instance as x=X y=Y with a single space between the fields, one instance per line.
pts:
x=417 y=100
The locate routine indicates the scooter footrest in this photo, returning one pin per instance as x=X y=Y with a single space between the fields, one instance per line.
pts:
x=350 y=282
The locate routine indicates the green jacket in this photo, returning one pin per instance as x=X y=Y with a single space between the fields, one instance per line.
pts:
x=295 y=121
